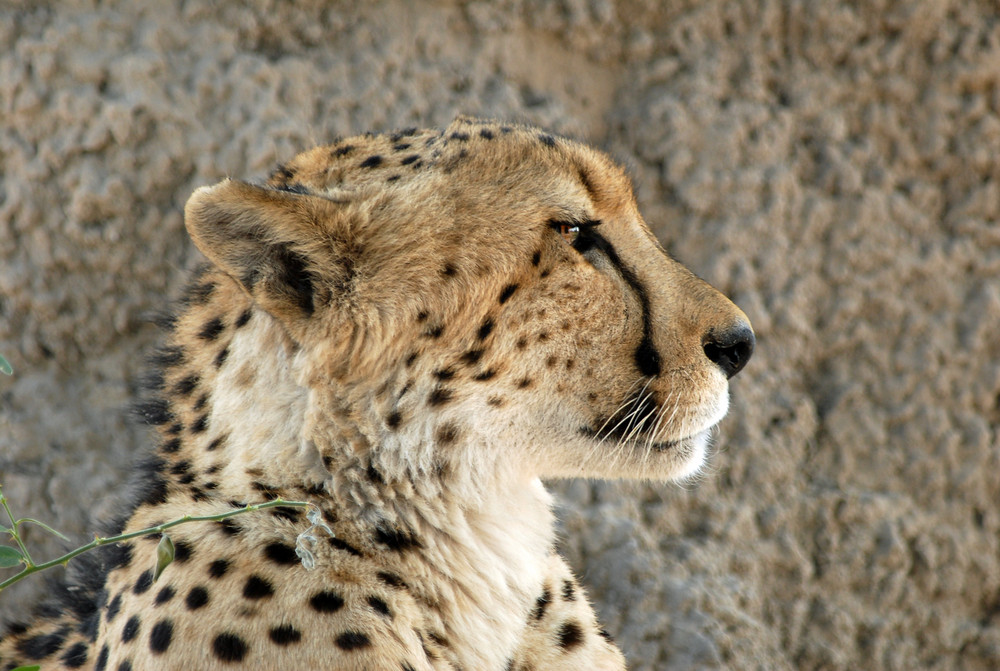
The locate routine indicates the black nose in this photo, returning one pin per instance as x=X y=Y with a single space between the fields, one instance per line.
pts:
x=730 y=349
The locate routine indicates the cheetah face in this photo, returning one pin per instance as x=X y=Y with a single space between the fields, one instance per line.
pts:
x=490 y=296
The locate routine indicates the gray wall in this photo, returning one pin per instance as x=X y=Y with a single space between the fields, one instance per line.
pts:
x=835 y=170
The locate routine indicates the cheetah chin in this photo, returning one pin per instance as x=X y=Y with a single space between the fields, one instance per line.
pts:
x=408 y=331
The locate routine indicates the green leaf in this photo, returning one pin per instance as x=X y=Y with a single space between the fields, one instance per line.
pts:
x=5 y=366
x=10 y=557
x=27 y=668
x=164 y=555
x=44 y=526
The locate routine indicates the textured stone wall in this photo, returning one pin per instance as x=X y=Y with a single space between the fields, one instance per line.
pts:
x=835 y=169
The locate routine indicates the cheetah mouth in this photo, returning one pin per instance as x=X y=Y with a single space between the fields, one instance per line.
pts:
x=642 y=423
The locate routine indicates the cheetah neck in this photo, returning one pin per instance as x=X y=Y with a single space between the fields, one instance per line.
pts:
x=475 y=545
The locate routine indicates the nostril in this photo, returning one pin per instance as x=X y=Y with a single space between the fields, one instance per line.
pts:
x=731 y=349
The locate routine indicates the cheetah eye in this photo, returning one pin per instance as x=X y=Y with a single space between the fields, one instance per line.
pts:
x=569 y=231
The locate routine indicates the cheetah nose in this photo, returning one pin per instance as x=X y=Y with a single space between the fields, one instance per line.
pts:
x=730 y=349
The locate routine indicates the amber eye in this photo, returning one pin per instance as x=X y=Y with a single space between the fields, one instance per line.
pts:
x=569 y=231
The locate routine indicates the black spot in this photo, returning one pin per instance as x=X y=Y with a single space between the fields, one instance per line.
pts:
x=200 y=403
x=214 y=445
x=326 y=602
x=186 y=385
x=438 y=639
x=257 y=588
x=196 y=598
x=371 y=162
x=444 y=374
x=446 y=434
x=401 y=146
x=647 y=359
x=485 y=329
x=524 y=383
x=171 y=446
x=488 y=374
x=374 y=475
x=244 y=317
x=393 y=419
x=408 y=667
x=380 y=606
x=341 y=544
x=352 y=640
x=486 y=133
x=472 y=357
x=422 y=316
x=211 y=329
x=125 y=665
x=221 y=357
x=606 y=636
x=144 y=582
x=154 y=412
x=536 y=258
x=181 y=467
x=160 y=635
x=164 y=595
x=547 y=140
x=287 y=513
x=343 y=151
x=570 y=635
x=411 y=359
x=114 y=606
x=449 y=270
x=270 y=493
x=393 y=178
x=294 y=188
x=229 y=648
x=410 y=159
x=440 y=396
x=282 y=172
x=102 y=659
x=507 y=292
x=285 y=634
x=42 y=645
x=569 y=590
x=229 y=527
x=280 y=553
x=218 y=568
x=434 y=331
x=131 y=629
x=395 y=539
x=199 y=425
x=182 y=551
x=541 y=604
x=391 y=579
x=461 y=137
x=75 y=656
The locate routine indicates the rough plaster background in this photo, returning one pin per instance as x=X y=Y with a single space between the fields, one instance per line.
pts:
x=834 y=169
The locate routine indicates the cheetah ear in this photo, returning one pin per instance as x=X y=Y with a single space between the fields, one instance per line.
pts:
x=277 y=244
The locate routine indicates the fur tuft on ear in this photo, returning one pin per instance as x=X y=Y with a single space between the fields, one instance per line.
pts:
x=276 y=244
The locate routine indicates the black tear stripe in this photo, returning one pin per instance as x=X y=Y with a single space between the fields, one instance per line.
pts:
x=647 y=359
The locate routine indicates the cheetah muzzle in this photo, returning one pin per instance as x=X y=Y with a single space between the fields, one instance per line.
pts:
x=408 y=330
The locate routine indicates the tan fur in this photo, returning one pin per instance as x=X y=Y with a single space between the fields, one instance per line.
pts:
x=395 y=329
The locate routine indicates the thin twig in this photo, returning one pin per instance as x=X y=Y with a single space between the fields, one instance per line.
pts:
x=99 y=541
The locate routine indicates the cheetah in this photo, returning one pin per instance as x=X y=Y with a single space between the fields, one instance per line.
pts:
x=408 y=330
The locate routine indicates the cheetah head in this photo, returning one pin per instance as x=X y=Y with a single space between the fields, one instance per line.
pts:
x=481 y=300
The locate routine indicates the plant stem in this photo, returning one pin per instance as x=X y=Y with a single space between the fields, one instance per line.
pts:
x=99 y=541
x=14 y=528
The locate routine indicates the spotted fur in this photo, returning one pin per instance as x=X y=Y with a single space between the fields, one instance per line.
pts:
x=408 y=330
